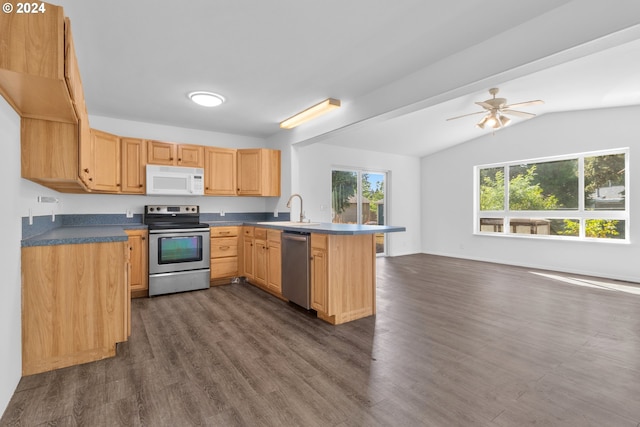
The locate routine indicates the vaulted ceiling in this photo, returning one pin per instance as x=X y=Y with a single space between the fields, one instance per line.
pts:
x=400 y=68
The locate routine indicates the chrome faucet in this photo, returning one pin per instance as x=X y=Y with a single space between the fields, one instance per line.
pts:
x=301 y=211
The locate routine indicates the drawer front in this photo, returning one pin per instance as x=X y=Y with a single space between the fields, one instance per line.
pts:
x=247 y=231
x=224 y=267
x=224 y=231
x=224 y=247
x=260 y=233
x=319 y=240
x=274 y=235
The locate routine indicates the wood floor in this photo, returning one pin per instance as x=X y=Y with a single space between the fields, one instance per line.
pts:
x=454 y=343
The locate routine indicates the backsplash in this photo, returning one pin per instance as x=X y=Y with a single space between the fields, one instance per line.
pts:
x=42 y=224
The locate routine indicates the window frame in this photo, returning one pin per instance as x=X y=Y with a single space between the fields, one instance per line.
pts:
x=580 y=214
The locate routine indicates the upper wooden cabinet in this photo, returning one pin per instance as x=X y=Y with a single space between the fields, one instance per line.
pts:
x=49 y=154
x=258 y=172
x=104 y=170
x=32 y=64
x=167 y=153
x=134 y=159
x=219 y=171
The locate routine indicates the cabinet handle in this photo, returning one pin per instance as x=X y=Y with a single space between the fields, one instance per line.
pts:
x=90 y=179
x=117 y=185
x=144 y=238
x=179 y=159
x=86 y=170
x=139 y=185
x=224 y=248
x=224 y=232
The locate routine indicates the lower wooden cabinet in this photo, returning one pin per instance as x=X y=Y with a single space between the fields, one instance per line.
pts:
x=262 y=258
x=139 y=255
x=343 y=276
x=75 y=304
x=224 y=252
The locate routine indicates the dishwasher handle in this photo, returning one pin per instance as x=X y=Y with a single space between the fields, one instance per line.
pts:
x=296 y=237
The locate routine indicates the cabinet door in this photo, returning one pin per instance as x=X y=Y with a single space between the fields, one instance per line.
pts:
x=138 y=252
x=247 y=257
x=161 y=153
x=133 y=162
x=274 y=266
x=249 y=172
x=260 y=266
x=319 y=280
x=258 y=172
x=191 y=155
x=106 y=161
x=220 y=171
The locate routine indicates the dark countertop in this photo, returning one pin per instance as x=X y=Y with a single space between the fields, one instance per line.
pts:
x=329 y=228
x=116 y=233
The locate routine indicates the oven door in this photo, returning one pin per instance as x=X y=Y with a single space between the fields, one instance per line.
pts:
x=178 y=250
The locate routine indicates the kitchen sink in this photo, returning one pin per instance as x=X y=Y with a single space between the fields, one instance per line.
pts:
x=289 y=223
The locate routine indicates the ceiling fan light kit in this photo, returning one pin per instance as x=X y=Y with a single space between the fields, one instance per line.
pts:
x=311 y=113
x=496 y=110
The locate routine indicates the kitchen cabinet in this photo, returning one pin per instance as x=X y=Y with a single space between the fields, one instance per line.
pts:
x=247 y=253
x=267 y=260
x=75 y=304
x=343 y=276
x=138 y=259
x=32 y=65
x=104 y=170
x=258 y=172
x=274 y=261
x=224 y=253
x=319 y=273
x=170 y=154
x=220 y=171
x=134 y=159
x=49 y=154
x=40 y=78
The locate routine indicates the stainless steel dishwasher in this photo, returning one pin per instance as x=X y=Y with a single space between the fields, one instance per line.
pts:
x=295 y=267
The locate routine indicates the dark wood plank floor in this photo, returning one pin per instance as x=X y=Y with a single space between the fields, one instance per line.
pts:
x=454 y=343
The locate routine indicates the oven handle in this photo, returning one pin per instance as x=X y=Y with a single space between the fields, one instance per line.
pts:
x=180 y=230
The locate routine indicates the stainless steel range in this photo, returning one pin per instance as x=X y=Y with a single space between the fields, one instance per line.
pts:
x=178 y=249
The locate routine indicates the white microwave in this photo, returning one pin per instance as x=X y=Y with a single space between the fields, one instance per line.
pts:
x=174 y=181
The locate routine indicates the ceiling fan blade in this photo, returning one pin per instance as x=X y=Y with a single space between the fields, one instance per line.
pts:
x=524 y=104
x=465 y=115
x=518 y=113
x=485 y=105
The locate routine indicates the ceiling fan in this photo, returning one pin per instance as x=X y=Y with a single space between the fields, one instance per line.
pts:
x=496 y=110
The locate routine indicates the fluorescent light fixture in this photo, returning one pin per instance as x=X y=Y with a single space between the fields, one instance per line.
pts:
x=310 y=113
x=206 y=99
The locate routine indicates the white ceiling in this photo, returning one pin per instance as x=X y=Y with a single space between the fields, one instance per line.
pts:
x=400 y=68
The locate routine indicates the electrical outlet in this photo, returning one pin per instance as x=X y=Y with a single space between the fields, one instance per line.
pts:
x=275 y=213
x=221 y=212
x=129 y=213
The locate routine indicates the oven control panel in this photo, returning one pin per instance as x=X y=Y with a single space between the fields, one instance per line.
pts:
x=171 y=209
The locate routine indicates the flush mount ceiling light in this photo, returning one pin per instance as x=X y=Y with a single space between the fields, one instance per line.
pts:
x=311 y=113
x=206 y=99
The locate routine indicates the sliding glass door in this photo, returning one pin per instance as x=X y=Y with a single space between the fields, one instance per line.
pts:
x=358 y=197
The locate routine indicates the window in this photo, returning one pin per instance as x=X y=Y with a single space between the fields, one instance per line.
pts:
x=358 y=197
x=582 y=196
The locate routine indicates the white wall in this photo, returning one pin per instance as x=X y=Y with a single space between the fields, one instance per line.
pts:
x=109 y=203
x=10 y=303
x=311 y=170
x=447 y=193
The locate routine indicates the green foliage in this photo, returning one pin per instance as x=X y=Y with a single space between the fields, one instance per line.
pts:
x=344 y=185
x=524 y=195
x=492 y=189
x=598 y=228
x=602 y=171
x=372 y=194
